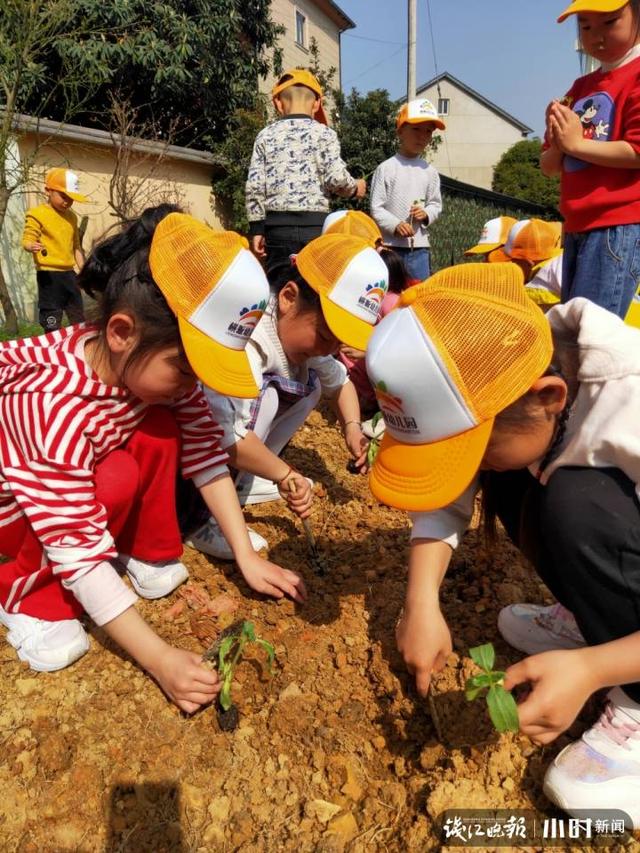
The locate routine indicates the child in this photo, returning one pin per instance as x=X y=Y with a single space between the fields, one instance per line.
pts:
x=533 y=245
x=472 y=376
x=94 y=420
x=332 y=294
x=51 y=235
x=295 y=167
x=494 y=235
x=405 y=191
x=599 y=160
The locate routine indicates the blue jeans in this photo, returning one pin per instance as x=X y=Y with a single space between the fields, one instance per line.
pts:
x=602 y=265
x=417 y=263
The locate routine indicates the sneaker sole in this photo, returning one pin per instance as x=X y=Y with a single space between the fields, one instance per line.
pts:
x=581 y=796
x=152 y=594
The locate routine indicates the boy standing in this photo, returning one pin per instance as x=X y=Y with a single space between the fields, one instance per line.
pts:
x=51 y=235
x=405 y=190
x=295 y=167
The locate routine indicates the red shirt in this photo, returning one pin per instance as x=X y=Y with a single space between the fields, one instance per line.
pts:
x=608 y=103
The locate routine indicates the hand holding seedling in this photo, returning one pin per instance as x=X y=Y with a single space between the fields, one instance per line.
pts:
x=561 y=682
x=183 y=678
x=502 y=706
x=404 y=229
x=357 y=445
x=296 y=490
x=417 y=212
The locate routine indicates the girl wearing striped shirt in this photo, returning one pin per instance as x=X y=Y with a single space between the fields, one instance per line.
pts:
x=96 y=419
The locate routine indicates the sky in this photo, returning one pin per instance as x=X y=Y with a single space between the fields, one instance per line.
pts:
x=513 y=53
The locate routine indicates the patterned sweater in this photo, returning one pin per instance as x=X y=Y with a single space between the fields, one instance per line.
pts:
x=58 y=420
x=295 y=166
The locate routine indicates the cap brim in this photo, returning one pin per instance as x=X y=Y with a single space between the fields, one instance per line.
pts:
x=76 y=196
x=483 y=248
x=436 y=122
x=426 y=477
x=588 y=6
x=227 y=371
x=348 y=329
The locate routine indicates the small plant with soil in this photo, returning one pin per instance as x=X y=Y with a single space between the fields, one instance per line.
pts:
x=502 y=706
x=225 y=655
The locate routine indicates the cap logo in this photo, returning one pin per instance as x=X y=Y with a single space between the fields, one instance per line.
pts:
x=512 y=339
x=247 y=321
x=426 y=107
x=371 y=299
x=392 y=410
x=73 y=184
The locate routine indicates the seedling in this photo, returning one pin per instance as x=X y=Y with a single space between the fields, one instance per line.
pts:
x=226 y=653
x=374 y=443
x=502 y=706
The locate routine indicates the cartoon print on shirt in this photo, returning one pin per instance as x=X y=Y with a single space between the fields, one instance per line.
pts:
x=596 y=113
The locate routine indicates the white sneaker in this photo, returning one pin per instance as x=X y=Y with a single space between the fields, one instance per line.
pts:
x=252 y=489
x=209 y=540
x=532 y=628
x=602 y=769
x=154 y=580
x=45 y=646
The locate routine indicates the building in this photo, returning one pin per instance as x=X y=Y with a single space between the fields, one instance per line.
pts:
x=478 y=131
x=304 y=20
x=153 y=172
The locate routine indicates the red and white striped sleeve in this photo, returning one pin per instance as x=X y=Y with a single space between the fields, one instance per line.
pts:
x=202 y=456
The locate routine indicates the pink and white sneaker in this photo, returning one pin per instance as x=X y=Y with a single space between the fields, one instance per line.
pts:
x=532 y=628
x=602 y=769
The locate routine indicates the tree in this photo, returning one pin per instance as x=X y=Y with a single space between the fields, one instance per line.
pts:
x=29 y=31
x=518 y=174
x=366 y=125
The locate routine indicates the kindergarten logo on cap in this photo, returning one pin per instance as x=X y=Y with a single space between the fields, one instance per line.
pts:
x=371 y=299
x=392 y=410
x=248 y=320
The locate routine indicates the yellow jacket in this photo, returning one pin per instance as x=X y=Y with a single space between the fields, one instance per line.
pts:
x=58 y=233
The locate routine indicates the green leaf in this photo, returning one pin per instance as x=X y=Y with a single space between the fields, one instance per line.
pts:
x=372 y=452
x=484 y=656
x=271 y=653
x=225 y=693
x=502 y=709
x=475 y=685
x=249 y=631
x=225 y=647
x=472 y=693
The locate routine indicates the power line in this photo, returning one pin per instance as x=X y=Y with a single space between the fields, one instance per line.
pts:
x=366 y=38
x=435 y=65
x=371 y=67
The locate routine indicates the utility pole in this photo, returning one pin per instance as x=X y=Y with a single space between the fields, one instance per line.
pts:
x=411 y=52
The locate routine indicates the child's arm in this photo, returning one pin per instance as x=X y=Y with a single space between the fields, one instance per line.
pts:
x=551 y=161
x=78 y=255
x=263 y=576
x=386 y=221
x=250 y=454
x=255 y=198
x=347 y=407
x=32 y=234
x=422 y=634
x=427 y=210
x=562 y=681
x=567 y=132
x=179 y=673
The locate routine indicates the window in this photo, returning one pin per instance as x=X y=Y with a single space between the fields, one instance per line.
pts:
x=443 y=106
x=301 y=29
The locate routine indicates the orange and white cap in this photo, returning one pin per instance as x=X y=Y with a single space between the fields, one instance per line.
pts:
x=579 y=6
x=533 y=240
x=64 y=181
x=494 y=235
x=351 y=279
x=218 y=291
x=353 y=222
x=301 y=77
x=455 y=352
x=418 y=111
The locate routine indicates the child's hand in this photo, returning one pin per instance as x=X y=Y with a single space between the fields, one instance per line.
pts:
x=424 y=641
x=361 y=188
x=184 y=679
x=34 y=248
x=270 y=579
x=565 y=128
x=403 y=229
x=352 y=353
x=297 y=492
x=418 y=213
x=258 y=246
x=357 y=445
x=561 y=682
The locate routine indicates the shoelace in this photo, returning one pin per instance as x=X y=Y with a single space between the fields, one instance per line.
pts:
x=619 y=732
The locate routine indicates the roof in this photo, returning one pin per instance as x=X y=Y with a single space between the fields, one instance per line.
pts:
x=333 y=11
x=91 y=135
x=478 y=97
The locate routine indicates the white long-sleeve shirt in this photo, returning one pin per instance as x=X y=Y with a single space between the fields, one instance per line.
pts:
x=398 y=184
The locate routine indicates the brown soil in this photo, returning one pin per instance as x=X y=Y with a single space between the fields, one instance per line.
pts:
x=334 y=752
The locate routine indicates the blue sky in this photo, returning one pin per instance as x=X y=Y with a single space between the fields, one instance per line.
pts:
x=514 y=53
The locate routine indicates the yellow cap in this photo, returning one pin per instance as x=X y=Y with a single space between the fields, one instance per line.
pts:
x=301 y=77
x=218 y=291
x=579 y=6
x=494 y=234
x=533 y=240
x=418 y=111
x=64 y=181
x=353 y=222
x=351 y=279
x=456 y=351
